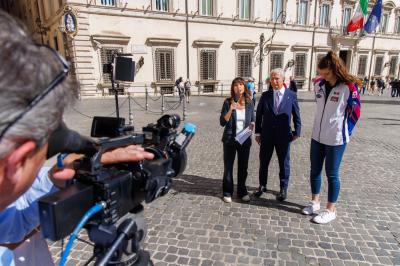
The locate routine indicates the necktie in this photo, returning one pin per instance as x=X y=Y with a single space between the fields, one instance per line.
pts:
x=277 y=100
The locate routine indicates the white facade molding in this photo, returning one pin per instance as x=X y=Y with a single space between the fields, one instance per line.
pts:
x=244 y=44
x=207 y=43
x=162 y=41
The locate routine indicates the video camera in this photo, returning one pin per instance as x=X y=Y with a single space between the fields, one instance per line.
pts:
x=119 y=188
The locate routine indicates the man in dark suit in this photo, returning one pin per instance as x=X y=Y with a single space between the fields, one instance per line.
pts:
x=293 y=85
x=273 y=131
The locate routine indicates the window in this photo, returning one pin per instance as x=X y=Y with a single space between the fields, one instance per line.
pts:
x=319 y=57
x=206 y=7
x=244 y=64
x=346 y=19
x=277 y=8
x=276 y=60
x=208 y=64
x=109 y=2
x=384 y=22
x=378 y=65
x=324 y=18
x=393 y=65
x=165 y=65
x=162 y=5
x=362 y=65
x=302 y=12
x=106 y=57
x=300 y=65
x=397 y=26
x=244 y=9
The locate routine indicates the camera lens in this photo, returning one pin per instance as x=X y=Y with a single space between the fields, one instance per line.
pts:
x=169 y=121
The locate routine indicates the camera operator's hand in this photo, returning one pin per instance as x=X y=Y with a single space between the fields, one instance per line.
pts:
x=131 y=153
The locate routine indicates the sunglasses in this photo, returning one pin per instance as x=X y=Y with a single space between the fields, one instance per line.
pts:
x=57 y=80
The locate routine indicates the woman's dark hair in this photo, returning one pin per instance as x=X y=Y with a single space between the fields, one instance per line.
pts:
x=333 y=62
x=246 y=93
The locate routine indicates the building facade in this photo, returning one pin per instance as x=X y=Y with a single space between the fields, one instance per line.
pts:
x=210 y=41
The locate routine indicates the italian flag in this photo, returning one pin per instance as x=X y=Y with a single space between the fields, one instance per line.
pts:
x=357 y=21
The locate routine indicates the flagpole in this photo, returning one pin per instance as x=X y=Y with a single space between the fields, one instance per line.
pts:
x=372 y=55
x=312 y=45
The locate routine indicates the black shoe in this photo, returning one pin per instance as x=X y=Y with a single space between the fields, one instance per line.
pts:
x=260 y=191
x=282 y=196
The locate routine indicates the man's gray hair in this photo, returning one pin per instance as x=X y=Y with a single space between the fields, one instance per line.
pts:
x=26 y=71
x=277 y=71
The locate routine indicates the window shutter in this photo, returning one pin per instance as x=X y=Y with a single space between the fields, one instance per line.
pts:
x=208 y=65
x=276 y=60
x=393 y=64
x=300 y=65
x=362 y=65
x=244 y=64
x=378 y=65
x=165 y=65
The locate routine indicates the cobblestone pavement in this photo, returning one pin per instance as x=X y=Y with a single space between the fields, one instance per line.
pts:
x=193 y=226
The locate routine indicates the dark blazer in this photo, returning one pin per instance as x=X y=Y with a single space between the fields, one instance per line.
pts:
x=293 y=86
x=230 y=126
x=268 y=122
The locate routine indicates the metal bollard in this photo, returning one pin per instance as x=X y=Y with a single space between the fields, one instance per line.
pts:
x=130 y=110
x=146 y=93
x=184 y=107
x=162 y=103
x=222 y=89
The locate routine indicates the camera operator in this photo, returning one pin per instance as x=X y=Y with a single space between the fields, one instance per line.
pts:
x=34 y=91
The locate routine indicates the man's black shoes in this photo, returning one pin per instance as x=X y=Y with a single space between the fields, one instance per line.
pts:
x=260 y=191
x=282 y=196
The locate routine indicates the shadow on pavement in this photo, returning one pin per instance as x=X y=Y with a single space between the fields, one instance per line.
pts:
x=199 y=185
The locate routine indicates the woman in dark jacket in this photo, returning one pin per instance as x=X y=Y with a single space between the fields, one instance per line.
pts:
x=237 y=114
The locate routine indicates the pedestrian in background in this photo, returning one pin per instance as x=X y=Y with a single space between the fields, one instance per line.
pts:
x=293 y=85
x=187 y=86
x=237 y=114
x=252 y=90
x=337 y=112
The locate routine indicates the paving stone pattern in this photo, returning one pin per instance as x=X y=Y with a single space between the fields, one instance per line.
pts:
x=193 y=226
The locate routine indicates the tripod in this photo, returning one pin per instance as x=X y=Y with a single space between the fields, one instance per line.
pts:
x=120 y=244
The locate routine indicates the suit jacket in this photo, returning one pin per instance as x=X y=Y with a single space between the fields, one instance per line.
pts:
x=268 y=122
x=230 y=126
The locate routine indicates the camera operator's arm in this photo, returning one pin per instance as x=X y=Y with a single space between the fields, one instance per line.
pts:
x=21 y=217
x=130 y=153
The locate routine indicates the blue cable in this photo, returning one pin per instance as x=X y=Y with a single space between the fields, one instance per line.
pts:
x=92 y=211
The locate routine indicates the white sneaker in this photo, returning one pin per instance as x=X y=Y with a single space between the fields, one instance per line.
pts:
x=325 y=217
x=246 y=198
x=227 y=199
x=311 y=208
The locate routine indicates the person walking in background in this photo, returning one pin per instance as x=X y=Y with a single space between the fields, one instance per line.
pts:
x=180 y=86
x=252 y=90
x=293 y=85
x=187 y=86
x=273 y=131
x=365 y=84
x=372 y=87
x=337 y=112
x=236 y=115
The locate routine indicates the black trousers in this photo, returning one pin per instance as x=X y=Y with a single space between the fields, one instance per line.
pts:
x=282 y=149
x=243 y=152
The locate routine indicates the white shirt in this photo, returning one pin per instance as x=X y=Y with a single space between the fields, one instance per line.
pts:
x=240 y=118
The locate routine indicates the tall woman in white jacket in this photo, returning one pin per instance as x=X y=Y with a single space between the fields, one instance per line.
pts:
x=338 y=109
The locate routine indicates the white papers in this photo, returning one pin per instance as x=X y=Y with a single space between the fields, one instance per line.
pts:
x=243 y=135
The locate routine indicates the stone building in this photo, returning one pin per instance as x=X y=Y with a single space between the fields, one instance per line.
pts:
x=209 y=41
